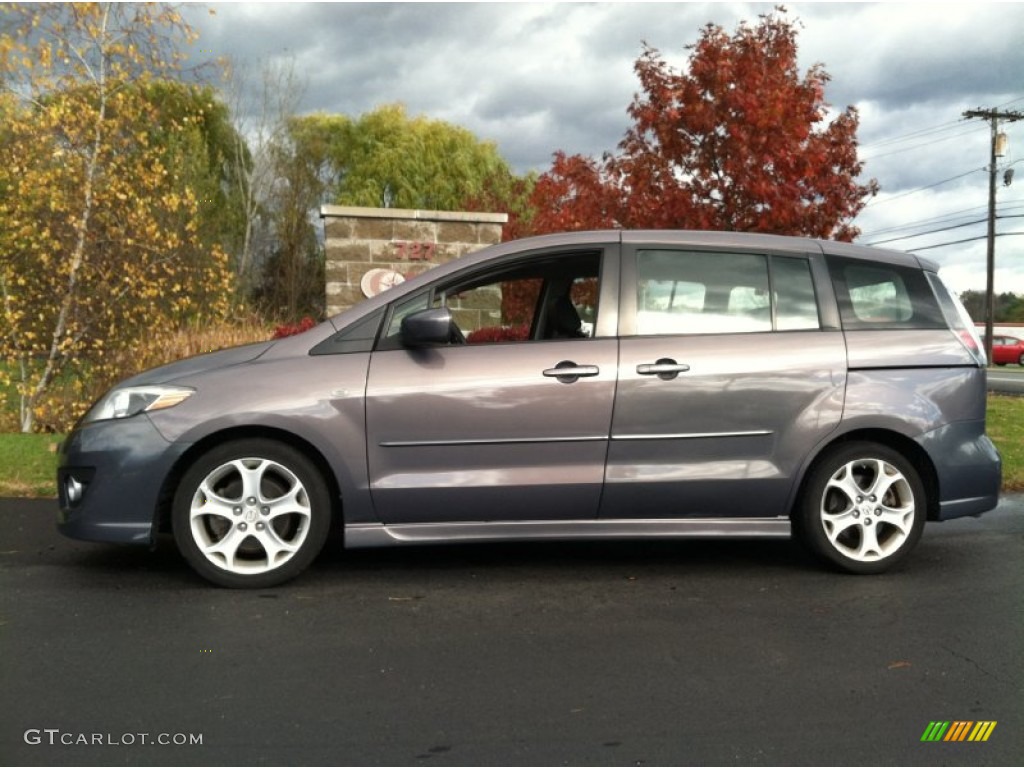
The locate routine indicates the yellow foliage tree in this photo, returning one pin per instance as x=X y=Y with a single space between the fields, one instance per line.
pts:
x=99 y=250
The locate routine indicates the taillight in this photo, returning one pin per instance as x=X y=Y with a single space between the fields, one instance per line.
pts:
x=958 y=318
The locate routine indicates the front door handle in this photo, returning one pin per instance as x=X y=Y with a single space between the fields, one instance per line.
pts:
x=568 y=372
x=665 y=369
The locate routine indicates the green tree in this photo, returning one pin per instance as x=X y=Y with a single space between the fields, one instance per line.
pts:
x=386 y=158
x=99 y=228
x=1009 y=307
x=974 y=303
x=195 y=129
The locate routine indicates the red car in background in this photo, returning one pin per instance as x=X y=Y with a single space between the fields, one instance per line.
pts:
x=1007 y=349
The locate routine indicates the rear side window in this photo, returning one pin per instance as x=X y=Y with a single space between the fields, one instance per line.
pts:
x=692 y=292
x=695 y=293
x=884 y=297
x=796 y=304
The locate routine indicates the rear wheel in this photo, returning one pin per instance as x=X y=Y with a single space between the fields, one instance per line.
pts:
x=863 y=508
x=251 y=513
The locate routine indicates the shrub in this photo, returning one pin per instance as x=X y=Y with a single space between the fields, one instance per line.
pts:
x=499 y=333
x=293 y=329
x=81 y=384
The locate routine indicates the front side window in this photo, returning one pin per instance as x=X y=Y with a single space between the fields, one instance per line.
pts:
x=544 y=299
x=554 y=298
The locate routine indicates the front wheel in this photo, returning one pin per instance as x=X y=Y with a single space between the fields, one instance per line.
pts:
x=252 y=513
x=863 y=508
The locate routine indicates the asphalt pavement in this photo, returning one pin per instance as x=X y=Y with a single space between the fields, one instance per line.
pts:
x=664 y=653
x=1008 y=380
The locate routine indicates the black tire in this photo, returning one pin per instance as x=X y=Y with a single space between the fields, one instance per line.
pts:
x=251 y=514
x=863 y=508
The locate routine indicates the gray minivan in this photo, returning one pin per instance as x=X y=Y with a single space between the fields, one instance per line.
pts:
x=612 y=384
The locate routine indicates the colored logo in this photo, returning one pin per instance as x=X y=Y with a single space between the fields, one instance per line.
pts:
x=958 y=730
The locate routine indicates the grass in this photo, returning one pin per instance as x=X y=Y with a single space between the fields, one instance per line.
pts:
x=1005 y=426
x=28 y=463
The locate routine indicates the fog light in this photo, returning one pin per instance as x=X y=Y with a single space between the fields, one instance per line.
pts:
x=73 y=489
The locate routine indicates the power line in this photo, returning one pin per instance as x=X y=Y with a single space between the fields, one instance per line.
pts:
x=929 y=232
x=935 y=220
x=914 y=134
x=942 y=229
x=922 y=189
x=869 y=157
x=965 y=240
x=946 y=218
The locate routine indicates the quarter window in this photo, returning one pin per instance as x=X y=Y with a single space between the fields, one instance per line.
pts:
x=880 y=296
x=417 y=303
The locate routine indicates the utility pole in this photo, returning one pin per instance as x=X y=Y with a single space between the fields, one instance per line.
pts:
x=993 y=116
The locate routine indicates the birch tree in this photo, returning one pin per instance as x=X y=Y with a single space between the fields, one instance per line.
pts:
x=99 y=248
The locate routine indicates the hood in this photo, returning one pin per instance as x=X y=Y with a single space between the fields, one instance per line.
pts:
x=192 y=365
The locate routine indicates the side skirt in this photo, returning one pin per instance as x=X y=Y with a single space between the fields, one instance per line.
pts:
x=360 y=535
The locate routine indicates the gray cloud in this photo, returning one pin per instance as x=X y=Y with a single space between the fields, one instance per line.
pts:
x=535 y=78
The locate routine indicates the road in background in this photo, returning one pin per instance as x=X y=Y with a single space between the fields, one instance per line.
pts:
x=1006 y=380
x=664 y=653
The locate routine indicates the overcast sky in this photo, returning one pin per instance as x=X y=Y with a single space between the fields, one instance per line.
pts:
x=536 y=78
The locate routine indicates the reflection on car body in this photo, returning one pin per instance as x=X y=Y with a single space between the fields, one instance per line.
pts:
x=601 y=384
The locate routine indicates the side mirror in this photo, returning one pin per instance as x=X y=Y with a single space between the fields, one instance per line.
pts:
x=427 y=328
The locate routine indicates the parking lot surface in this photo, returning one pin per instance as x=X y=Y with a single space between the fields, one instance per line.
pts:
x=664 y=653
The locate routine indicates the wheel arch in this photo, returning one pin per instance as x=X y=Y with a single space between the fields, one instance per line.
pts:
x=913 y=452
x=211 y=441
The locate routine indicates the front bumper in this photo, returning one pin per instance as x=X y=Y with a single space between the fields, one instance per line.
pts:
x=109 y=479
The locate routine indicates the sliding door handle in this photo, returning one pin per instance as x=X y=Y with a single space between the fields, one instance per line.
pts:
x=665 y=369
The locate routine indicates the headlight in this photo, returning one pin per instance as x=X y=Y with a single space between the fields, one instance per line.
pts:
x=122 y=402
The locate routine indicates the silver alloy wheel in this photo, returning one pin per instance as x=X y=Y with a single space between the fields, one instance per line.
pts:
x=250 y=516
x=868 y=510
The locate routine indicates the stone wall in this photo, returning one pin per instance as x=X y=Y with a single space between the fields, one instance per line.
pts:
x=384 y=241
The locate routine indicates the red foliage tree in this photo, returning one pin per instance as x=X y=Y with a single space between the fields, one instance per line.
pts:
x=738 y=141
x=505 y=193
x=576 y=194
